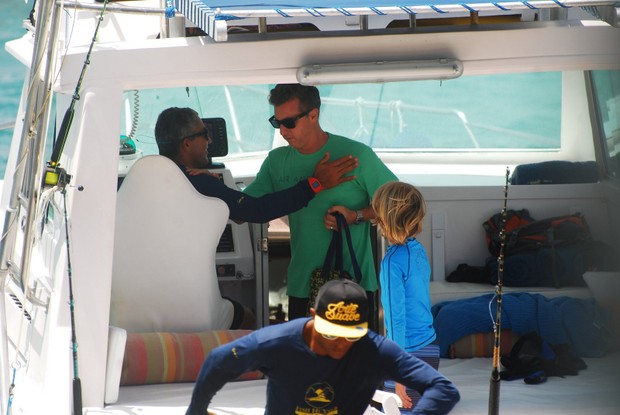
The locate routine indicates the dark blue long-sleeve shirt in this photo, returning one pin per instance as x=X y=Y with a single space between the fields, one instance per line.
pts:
x=300 y=381
x=247 y=208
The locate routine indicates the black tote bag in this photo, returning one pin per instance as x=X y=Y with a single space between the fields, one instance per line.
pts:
x=331 y=269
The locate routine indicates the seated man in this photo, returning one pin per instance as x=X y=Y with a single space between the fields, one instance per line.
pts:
x=182 y=137
x=329 y=363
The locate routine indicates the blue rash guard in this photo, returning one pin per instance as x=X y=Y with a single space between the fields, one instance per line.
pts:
x=302 y=382
x=246 y=208
x=405 y=295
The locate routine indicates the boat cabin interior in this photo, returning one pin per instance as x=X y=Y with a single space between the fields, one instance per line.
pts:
x=476 y=105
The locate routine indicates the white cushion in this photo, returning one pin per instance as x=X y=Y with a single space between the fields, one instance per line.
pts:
x=117 y=338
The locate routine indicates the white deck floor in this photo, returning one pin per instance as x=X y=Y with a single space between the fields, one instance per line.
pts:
x=595 y=391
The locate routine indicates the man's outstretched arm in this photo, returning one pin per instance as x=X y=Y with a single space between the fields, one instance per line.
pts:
x=246 y=208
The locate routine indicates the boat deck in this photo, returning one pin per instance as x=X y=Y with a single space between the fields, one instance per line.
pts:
x=594 y=391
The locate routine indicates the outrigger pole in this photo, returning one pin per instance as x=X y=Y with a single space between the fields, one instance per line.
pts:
x=495 y=378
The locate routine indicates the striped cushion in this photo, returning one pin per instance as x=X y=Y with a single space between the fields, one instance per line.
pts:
x=481 y=345
x=172 y=357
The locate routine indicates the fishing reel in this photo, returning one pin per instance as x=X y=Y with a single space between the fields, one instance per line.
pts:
x=56 y=175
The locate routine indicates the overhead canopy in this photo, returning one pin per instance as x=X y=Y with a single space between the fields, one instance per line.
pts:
x=212 y=16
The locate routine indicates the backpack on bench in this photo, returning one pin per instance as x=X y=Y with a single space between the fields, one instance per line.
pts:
x=524 y=233
x=550 y=252
x=533 y=360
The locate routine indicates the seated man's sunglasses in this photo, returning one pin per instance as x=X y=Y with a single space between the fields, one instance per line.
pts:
x=203 y=133
x=290 y=122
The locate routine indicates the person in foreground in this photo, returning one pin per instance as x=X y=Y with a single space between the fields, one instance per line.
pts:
x=329 y=363
x=405 y=279
x=182 y=137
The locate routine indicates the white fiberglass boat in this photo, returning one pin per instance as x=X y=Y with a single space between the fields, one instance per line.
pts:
x=448 y=94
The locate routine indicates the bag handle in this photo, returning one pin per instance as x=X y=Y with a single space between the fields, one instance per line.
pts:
x=335 y=249
x=344 y=226
x=331 y=252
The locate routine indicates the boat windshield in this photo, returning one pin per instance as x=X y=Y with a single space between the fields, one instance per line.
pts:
x=476 y=113
x=492 y=120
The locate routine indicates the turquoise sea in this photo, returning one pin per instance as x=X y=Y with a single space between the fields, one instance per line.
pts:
x=12 y=13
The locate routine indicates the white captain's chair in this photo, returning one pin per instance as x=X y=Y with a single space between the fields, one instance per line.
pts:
x=165 y=244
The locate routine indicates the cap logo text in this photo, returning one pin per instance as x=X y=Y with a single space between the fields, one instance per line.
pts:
x=342 y=312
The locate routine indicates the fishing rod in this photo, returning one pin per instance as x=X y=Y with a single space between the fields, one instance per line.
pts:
x=56 y=176
x=495 y=377
x=52 y=173
x=77 y=383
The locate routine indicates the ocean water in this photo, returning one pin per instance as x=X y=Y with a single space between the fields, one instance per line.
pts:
x=12 y=73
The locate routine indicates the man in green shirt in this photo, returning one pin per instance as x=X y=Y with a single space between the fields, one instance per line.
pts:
x=296 y=114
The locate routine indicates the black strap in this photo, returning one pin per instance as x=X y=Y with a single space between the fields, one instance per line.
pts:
x=335 y=249
x=329 y=257
x=342 y=224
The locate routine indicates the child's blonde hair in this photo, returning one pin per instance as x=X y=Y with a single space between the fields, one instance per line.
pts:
x=400 y=209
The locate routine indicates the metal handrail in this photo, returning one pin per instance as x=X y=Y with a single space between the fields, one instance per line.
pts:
x=113 y=8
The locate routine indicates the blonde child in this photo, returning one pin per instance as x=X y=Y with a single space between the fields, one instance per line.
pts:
x=405 y=275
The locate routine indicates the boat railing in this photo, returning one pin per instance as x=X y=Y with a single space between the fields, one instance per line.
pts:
x=398 y=110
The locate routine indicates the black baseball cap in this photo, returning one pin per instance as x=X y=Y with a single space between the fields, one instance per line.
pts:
x=341 y=309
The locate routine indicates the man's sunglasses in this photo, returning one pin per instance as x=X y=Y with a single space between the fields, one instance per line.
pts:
x=349 y=339
x=289 y=123
x=204 y=133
